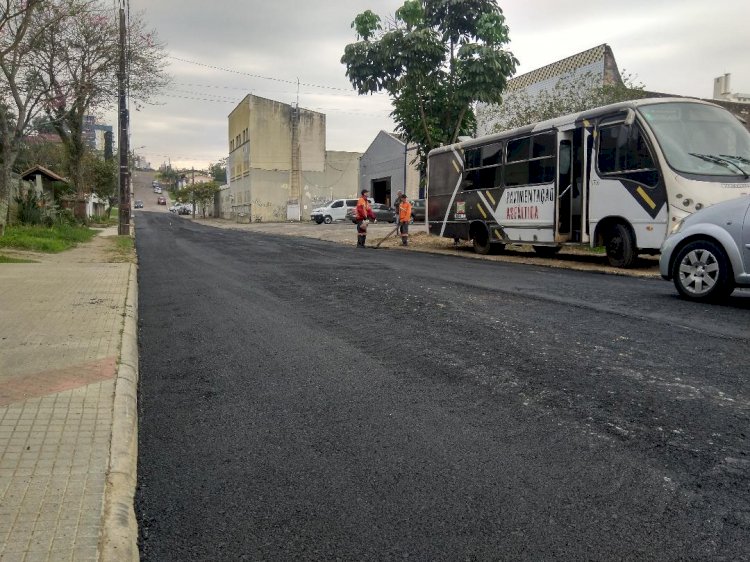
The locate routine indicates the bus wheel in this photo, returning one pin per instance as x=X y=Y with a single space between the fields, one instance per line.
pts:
x=701 y=272
x=620 y=246
x=481 y=241
x=547 y=251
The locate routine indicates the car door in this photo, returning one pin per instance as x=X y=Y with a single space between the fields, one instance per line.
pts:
x=338 y=210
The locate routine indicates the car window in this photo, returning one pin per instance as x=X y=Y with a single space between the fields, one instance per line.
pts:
x=351 y=202
x=337 y=204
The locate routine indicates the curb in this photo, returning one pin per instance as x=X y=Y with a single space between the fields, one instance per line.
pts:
x=119 y=538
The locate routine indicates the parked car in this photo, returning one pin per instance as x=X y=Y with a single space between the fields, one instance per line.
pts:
x=161 y=200
x=332 y=211
x=138 y=204
x=383 y=213
x=418 y=210
x=708 y=253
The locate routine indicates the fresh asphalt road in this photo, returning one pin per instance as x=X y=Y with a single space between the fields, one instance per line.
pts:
x=305 y=400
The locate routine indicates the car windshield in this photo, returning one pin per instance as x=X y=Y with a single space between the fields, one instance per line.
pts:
x=700 y=139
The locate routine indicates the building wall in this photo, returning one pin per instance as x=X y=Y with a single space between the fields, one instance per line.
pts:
x=338 y=180
x=261 y=164
x=385 y=158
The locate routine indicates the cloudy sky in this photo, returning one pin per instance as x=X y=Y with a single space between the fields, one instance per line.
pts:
x=219 y=52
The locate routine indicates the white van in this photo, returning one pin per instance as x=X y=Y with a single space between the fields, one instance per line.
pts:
x=332 y=211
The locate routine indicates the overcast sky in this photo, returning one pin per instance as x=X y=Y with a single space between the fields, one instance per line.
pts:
x=676 y=46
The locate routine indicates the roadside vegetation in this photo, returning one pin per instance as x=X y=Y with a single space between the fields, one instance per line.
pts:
x=50 y=240
x=123 y=249
x=8 y=259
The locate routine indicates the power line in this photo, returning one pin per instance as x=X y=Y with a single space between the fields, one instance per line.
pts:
x=285 y=81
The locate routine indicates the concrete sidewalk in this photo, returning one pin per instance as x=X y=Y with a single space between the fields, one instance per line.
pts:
x=66 y=480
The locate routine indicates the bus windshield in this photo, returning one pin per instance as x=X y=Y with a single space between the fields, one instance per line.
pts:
x=700 y=139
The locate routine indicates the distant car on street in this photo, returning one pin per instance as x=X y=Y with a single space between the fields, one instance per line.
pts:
x=708 y=253
x=138 y=204
x=161 y=200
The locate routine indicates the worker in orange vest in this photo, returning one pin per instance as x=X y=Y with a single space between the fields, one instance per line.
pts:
x=362 y=212
x=404 y=218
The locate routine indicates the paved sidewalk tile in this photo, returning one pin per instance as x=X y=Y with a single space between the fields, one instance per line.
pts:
x=60 y=331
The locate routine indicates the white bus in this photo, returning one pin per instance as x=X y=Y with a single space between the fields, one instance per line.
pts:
x=619 y=176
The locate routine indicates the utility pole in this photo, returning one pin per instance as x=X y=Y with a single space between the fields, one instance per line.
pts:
x=295 y=192
x=124 y=214
x=193 y=184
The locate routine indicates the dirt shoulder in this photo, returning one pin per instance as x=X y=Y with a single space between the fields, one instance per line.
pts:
x=575 y=258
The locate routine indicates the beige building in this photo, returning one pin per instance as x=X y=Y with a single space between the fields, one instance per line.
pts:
x=723 y=90
x=278 y=167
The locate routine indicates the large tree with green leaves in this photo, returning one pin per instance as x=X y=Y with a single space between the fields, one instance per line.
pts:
x=201 y=194
x=435 y=59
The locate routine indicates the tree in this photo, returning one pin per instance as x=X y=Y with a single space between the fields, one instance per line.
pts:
x=23 y=25
x=569 y=95
x=169 y=177
x=201 y=193
x=80 y=61
x=435 y=60
x=101 y=177
x=218 y=171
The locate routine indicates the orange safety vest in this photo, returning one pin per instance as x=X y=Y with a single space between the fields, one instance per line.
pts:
x=363 y=210
x=404 y=211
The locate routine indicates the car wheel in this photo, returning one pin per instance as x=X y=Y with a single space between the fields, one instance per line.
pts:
x=328 y=219
x=620 y=246
x=546 y=251
x=701 y=271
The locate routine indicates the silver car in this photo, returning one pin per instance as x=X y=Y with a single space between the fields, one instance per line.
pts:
x=708 y=253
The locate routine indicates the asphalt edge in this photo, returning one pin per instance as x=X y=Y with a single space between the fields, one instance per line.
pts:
x=119 y=538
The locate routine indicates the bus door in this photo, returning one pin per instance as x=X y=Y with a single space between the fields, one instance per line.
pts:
x=564 y=187
x=572 y=179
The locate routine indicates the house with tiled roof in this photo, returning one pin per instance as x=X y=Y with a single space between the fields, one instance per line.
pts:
x=597 y=65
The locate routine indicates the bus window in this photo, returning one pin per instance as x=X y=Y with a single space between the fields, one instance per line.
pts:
x=483 y=167
x=623 y=151
x=531 y=160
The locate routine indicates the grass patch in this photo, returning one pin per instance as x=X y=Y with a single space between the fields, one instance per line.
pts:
x=123 y=249
x=8 y=259
x=42 y=239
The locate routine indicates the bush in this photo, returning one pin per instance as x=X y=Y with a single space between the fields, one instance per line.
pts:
x=30 y=208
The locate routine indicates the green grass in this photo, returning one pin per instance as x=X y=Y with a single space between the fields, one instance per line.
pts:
x=8 y=259
x=42 y=239
x=123 y=249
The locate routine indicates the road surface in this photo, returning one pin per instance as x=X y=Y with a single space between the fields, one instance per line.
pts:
x=304 y=400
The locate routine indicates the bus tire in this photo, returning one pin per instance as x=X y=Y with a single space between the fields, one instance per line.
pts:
x=481 y=242
x=620 y=246
x=701 y=272
x=547 y=251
